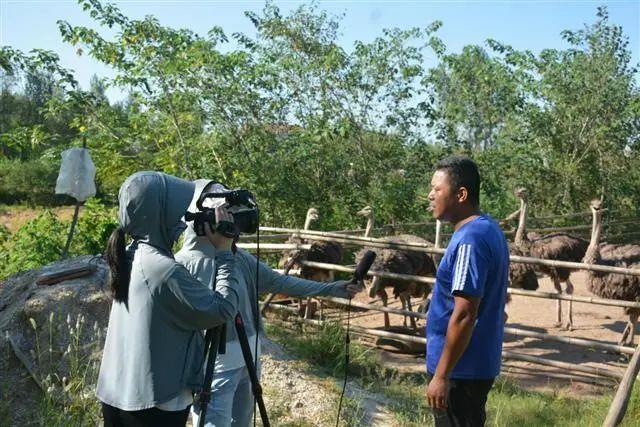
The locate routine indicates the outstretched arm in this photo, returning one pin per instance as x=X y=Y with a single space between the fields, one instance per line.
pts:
x=274 y=282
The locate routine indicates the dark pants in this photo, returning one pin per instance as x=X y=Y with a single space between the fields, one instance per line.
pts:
x=466 y=402
x=152 y=417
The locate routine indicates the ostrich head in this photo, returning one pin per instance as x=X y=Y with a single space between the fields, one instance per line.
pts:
x=366 y=212
x=521 y=193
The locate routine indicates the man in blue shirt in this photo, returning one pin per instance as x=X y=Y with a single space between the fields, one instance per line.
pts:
x=465 y=323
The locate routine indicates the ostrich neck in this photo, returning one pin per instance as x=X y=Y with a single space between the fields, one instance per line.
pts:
x=307 y=222
x=369 y=228
x=593 y=254
x=520 y=232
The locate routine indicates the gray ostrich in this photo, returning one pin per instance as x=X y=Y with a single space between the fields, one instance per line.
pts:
x=555 y=246
x=401 y=262
x=521 y=276
x=322 y=251
x=610 y=285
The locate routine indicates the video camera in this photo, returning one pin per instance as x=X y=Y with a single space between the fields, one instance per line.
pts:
x=240 y=203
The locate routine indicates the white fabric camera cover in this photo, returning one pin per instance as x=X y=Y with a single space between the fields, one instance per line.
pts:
x=77 y=174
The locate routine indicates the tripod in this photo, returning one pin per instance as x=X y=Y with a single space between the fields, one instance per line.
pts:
x=215 y=339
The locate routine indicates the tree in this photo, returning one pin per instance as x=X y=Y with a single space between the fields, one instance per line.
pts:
x=587 y=114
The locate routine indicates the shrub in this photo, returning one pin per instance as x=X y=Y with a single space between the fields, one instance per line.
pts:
x=94 y=227
x=38 y=242
x=42 y=240
x=31 y=181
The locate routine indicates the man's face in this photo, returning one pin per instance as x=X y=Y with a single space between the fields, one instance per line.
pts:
x=443 y=199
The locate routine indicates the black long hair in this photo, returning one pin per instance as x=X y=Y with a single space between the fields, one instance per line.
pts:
x=118 y=265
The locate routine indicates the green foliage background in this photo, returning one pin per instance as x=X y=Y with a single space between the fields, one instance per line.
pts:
x=304 y=121
x=42 y=240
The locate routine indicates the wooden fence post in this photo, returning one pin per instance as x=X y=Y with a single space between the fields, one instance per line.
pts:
x=621 y=400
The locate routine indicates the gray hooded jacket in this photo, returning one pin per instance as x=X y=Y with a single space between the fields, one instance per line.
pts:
x=154 y=344
x=200 y=258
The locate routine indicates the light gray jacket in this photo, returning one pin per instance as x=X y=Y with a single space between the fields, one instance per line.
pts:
x=200 y=258
x=154 y=344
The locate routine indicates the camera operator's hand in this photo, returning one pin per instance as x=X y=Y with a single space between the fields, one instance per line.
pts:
x=218 y=240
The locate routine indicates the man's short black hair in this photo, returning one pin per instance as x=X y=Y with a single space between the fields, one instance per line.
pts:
x=462 y=172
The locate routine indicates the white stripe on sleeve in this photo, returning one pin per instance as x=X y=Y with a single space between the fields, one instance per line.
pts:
x=466 y=268
x=458 y=267
x=462 y=267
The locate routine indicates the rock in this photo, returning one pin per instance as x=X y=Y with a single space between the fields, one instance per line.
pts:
x=47 y=326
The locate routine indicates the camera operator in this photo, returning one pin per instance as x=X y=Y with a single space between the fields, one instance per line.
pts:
x=233 y=400
x=153 y=353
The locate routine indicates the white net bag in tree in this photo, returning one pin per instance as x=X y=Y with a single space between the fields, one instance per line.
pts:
x=77 y=174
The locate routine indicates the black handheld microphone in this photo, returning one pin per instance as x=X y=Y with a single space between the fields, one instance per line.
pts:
x=363 y=266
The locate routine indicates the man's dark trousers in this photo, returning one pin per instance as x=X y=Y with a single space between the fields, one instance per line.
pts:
x=466 y=403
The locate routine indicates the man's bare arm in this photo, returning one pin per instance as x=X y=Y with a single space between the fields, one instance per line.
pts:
x=459 y=333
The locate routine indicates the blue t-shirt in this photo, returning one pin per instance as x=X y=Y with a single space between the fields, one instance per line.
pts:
x=476 y=263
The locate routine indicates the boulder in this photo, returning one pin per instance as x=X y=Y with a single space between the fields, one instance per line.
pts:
x=51 y=339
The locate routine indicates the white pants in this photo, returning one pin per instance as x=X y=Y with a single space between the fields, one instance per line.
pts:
x=231 y=401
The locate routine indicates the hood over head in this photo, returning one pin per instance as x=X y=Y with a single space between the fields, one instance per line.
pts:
x=151 y=207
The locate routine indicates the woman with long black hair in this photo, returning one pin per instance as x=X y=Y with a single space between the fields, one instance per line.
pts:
x=153 y=354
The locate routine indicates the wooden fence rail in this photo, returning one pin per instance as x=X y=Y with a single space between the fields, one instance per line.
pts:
x=568 y=367
x=623 y=394
x=421 y=247
x=517 y=332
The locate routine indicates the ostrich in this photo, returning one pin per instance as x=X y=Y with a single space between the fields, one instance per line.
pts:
x=287 y=261
x=555 y=246
x=328 y=252
x=403 y=262
x=624 y=250
x=397 y=261
x=521 y=276
x=367 y=212
x=609 y=285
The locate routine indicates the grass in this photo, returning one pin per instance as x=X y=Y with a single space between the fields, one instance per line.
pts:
x=324 y=346
x=508 y=403
x=66 y=356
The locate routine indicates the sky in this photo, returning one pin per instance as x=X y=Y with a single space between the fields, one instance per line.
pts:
x=523 y=24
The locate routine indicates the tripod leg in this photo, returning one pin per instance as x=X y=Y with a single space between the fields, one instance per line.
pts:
x=212 y=344
x=251 y=368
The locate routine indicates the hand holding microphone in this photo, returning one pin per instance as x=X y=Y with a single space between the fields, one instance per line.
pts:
x=355 y=285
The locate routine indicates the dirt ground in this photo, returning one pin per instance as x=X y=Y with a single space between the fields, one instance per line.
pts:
x=13 y=217
x=590 y=321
